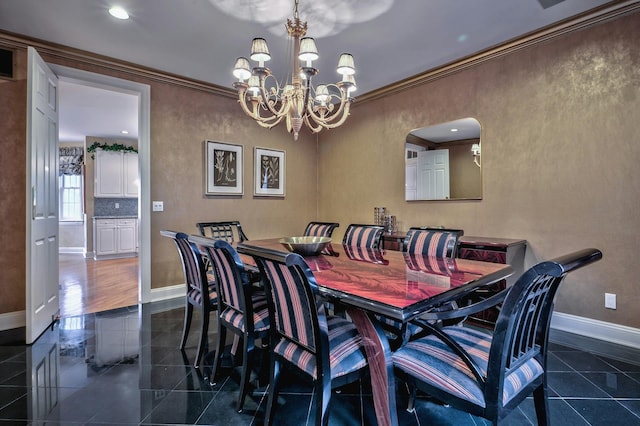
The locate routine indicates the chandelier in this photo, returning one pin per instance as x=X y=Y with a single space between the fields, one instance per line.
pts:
x=296 y=101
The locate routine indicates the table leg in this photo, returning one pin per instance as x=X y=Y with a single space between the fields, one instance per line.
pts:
x=380 y=365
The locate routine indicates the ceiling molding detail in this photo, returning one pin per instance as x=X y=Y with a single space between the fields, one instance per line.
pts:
x=608 y=12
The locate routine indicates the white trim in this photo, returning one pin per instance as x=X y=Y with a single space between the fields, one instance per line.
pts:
x=606 y=331
x=12 y=320
x=165 y=293
x=144 y=158
x=73 y=250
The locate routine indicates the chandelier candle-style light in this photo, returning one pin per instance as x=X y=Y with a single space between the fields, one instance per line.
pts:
x=297 y=101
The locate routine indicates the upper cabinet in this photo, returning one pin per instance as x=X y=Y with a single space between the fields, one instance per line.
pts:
x=116 y=174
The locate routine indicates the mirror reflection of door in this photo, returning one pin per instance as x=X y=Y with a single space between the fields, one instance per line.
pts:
x=461 y=139
x=433 y=174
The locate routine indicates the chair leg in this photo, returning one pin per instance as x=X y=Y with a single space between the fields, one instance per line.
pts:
x=541 y=403
x=222 y=336
x=188 y=314
x=203 y=344
x=323 y=398
x=411 y=405
x=273 y=391
x=245 y=375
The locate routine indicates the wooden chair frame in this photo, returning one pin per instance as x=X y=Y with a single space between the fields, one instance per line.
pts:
x=194 y=269
x=521 y=333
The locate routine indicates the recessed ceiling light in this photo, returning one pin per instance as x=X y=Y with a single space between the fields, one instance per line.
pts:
x=454 y=130
x=124 y=132
x=118 y=12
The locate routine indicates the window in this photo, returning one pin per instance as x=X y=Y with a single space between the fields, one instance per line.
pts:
x=71 y=205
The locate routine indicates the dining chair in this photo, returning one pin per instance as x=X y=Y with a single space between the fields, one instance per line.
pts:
x=366 y=236
x=241 y=309
x=200 y=291
x=436 y=242
x=326 y=349
x=230 y=231
x=320 y=229
x=488 y=374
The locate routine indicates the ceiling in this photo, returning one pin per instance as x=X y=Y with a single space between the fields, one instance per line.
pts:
x=200 y=39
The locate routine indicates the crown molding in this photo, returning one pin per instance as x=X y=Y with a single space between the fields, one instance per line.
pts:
x=610 y=11
x=53 y=50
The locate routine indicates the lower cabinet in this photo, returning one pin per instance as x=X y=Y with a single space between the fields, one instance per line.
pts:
x=115 y=238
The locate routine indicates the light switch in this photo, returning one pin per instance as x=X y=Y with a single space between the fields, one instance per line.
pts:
x=158 y=206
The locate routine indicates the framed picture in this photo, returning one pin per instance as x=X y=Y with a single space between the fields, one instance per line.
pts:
x=223 y=169
x=268 y=175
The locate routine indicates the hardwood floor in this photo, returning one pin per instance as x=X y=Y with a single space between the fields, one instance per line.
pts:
x=89 y=286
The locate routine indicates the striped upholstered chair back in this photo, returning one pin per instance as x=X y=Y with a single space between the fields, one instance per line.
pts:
x=298 y=318
x=489 y=373
x=432 y=241
x=320 y=229
x=200 y=290
x=241 y=310
x=327 y=349
x=365 y=236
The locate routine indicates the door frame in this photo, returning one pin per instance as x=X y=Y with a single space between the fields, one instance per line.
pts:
x=143 y=91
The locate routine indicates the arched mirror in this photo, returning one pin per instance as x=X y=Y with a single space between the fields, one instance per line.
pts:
x=443 y=162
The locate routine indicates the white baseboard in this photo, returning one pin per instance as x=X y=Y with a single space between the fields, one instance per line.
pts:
x=75 y=250
x=165 y=293
x=606 y=331
x=13 y=320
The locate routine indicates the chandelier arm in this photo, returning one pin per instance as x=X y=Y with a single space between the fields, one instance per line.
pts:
x=267 y=125
x=314 y=129
x=255 y=114
x=330 y=124
x=340 y=114
x=268 y=104
x=276 y=116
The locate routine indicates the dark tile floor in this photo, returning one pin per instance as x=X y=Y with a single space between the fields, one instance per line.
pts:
x=123 y=367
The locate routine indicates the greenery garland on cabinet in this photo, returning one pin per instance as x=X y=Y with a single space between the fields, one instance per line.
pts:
x=118 y=147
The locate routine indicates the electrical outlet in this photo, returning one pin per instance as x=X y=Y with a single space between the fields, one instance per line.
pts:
x=158 y=206
x=610 y=301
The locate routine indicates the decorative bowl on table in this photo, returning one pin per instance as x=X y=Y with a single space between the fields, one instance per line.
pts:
x=306 y=246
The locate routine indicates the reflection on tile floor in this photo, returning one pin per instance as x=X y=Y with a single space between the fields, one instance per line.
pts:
x=123 y=367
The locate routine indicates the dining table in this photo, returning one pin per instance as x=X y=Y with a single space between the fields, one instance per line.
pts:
x=392 y=284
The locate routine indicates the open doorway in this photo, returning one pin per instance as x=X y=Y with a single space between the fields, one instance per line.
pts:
x=87 y=101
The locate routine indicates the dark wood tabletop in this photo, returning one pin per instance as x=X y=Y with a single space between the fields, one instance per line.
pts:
x=389 y=282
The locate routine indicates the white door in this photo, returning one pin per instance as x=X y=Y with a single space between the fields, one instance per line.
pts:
x=411 y=179
x=433 y=174
x=43 y=304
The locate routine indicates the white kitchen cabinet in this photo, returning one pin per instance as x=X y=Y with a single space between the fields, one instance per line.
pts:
x=131 y=180
x=115 y=238
x=116 y=174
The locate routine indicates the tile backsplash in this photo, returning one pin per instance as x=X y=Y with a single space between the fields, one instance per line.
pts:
x=107 y=206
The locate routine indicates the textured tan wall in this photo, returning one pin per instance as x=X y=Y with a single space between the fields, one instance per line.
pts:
x=13 y=134
x=181 y=119
x=560 y=152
